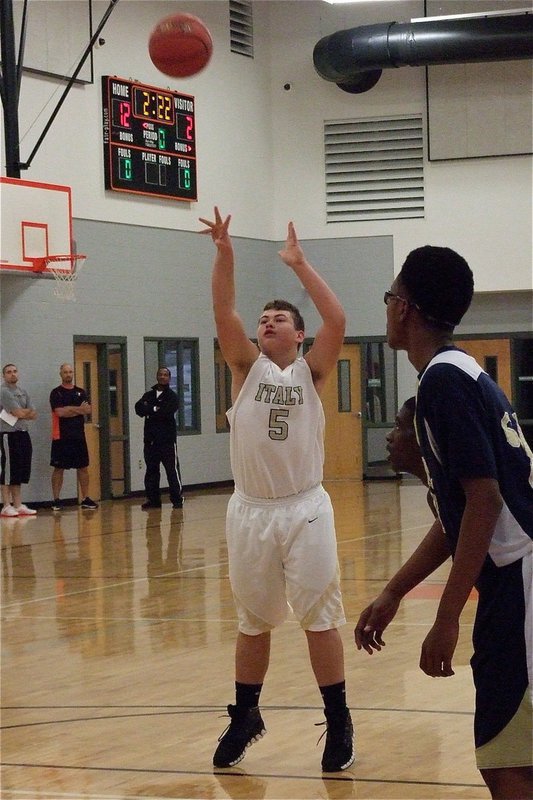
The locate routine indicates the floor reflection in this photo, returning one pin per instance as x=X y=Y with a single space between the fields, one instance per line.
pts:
x=18 y=568
x=238 y=785
x=118 y=634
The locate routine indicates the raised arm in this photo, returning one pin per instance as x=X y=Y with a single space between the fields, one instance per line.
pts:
x=322 y=356
x=237 y=349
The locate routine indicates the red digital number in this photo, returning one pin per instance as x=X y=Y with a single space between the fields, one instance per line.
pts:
x=124 y=114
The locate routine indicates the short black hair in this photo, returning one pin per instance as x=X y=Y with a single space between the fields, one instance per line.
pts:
x=440 y=283
x=410 y=405
x=284 y=305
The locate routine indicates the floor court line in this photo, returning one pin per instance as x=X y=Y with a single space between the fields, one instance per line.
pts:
x=276 y=775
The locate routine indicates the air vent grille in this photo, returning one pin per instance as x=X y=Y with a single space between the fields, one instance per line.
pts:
x=374 y=169
x=241 y=28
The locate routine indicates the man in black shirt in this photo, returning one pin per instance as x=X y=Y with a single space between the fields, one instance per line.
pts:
x=70 y=405
x=158 y=407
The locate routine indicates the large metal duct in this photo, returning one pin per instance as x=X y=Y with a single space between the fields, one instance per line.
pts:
x=354 y=58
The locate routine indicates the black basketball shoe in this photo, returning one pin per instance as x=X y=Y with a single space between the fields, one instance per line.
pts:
x=339 y=750
x=245 y=728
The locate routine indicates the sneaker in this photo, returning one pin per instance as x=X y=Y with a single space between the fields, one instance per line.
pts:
x=88 y=503
x=179 y=504
x=245 y=728
x=146 y=506
x=24 y=511
x=9 y=511
x=339 y=750
x=57 y=505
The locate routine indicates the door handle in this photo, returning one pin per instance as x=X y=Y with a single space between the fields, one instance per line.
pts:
x=358 y=414
x=97 y=425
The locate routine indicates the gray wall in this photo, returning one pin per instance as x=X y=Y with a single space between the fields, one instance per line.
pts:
x=154 y=282
x=498 y=312
x=359 y=270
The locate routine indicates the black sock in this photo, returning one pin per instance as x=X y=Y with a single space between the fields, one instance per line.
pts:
x=247 y=694
x=334 y=696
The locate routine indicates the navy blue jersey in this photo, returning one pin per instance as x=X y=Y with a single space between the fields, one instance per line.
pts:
x=467 y=428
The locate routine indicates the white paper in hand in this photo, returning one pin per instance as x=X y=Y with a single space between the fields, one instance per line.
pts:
x=7 y=417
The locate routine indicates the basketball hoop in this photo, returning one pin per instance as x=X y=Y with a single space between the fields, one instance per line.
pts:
x=65 y=279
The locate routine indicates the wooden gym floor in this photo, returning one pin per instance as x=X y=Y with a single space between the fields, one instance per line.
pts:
x=117 y=662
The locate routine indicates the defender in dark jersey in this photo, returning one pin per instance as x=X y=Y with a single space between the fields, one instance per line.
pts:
x=480 y=469
x=70 y=406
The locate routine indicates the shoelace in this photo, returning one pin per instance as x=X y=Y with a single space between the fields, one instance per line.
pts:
x=226 y=728
x=224 y=733
x=318 y=725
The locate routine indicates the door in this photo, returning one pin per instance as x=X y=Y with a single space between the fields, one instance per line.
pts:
x=100 y=367
x=494 y=355
x=117 y=431
x=341 y=399
x=86 y=372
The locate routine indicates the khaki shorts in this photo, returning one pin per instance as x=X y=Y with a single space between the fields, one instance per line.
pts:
x=283 y=556
x=513 y=747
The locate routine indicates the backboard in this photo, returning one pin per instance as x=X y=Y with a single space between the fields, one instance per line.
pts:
x=35 y=222
x=56 y=34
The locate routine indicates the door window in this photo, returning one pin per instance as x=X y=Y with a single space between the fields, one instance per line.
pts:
x=182 y=359
x=379 y=386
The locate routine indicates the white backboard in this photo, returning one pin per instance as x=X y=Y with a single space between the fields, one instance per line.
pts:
x=35 y=222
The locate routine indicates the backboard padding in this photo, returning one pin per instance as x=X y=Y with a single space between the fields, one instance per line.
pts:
x=35 y=220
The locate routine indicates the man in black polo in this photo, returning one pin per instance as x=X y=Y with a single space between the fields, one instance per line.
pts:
x=70 y=405
x=158 y=407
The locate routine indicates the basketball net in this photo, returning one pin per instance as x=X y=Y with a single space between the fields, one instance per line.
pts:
x=65 y=279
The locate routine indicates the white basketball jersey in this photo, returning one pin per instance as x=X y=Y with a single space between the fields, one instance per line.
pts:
x=277 y=431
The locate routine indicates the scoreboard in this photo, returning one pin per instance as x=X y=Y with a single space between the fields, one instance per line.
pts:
x=149 y=137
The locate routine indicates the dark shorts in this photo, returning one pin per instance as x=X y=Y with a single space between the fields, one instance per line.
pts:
x=502 y=665
x=15 y=458
x=69 y=454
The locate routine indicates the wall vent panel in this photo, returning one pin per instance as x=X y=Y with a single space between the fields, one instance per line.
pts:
x=241 y=27
x=374 y=169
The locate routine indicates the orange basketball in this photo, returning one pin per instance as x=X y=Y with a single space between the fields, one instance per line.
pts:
x=180 y=45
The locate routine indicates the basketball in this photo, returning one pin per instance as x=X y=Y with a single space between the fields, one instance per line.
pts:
x=180 y=45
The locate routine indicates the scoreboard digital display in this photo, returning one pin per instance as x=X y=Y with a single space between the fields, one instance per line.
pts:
x=149 y=140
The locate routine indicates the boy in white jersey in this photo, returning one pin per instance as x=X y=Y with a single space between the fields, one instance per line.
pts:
x=280 y=529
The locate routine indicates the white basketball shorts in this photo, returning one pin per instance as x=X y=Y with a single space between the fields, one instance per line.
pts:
x=282 y=556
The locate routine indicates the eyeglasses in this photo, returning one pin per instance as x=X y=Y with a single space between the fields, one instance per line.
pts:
x=441 y=323
x=391 y=296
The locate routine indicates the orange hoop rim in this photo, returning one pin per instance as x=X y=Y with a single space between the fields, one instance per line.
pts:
x=40 y=263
